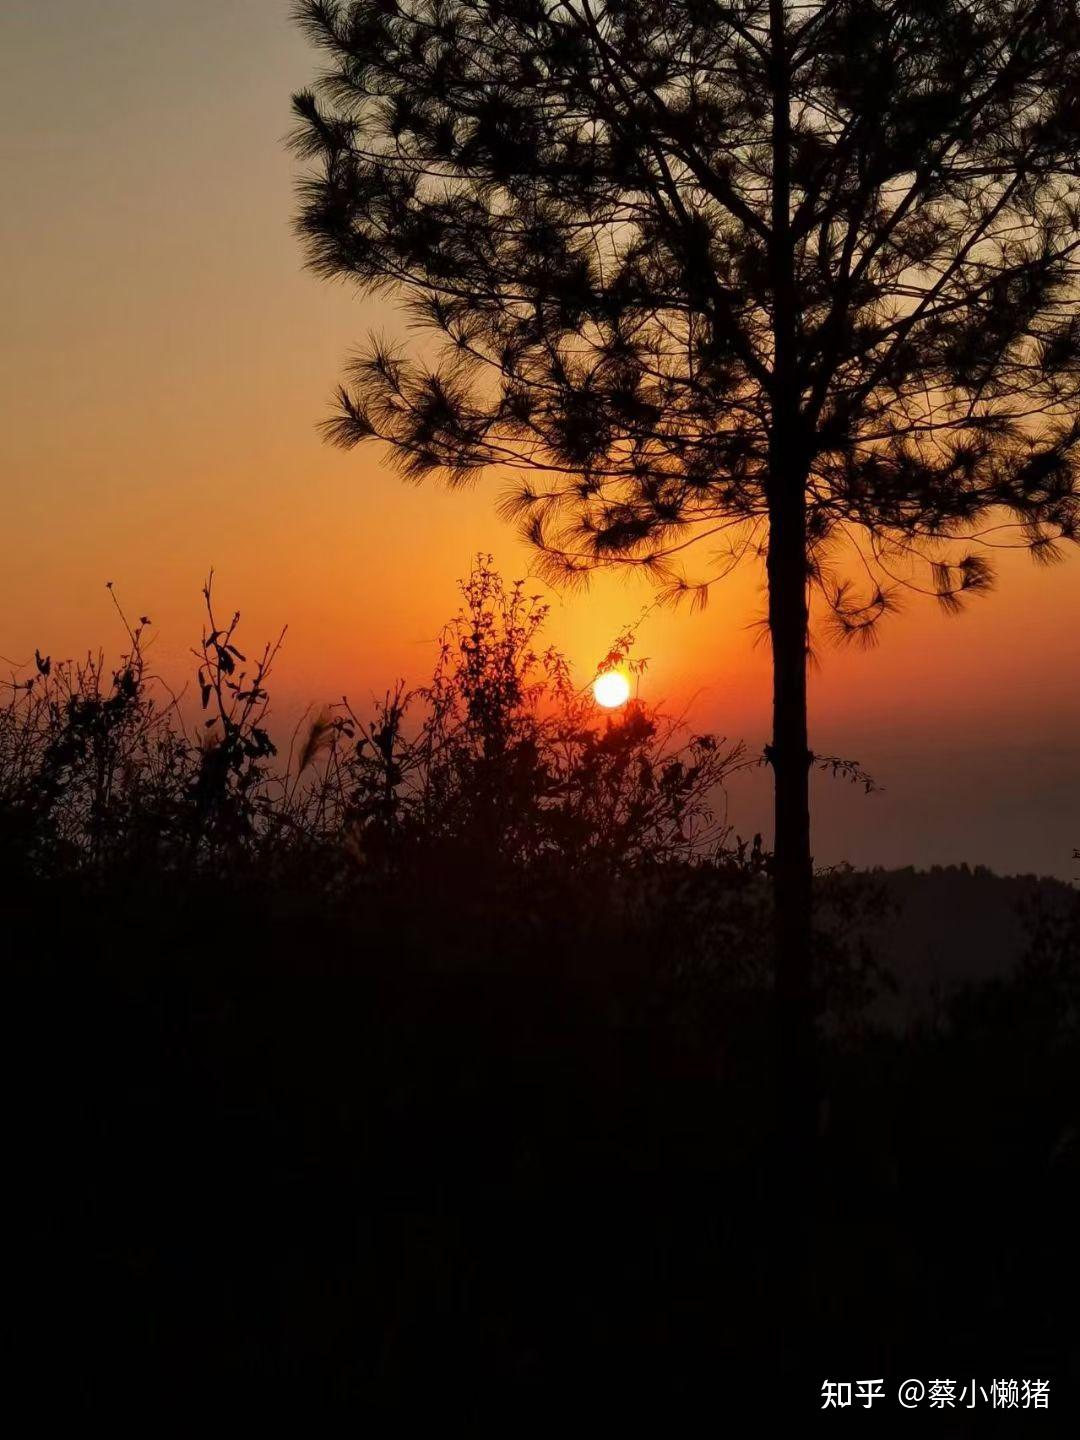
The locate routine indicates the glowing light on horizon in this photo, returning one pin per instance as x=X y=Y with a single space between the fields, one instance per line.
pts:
x=611 y=689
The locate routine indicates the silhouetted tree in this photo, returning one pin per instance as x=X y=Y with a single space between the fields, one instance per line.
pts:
x=796 y=281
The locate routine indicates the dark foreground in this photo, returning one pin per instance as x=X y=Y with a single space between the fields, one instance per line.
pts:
x=472 y=1172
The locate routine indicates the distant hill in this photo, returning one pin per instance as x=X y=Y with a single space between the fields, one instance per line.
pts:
x=954 y=925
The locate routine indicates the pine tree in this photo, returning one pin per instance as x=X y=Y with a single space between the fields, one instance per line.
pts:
x=794 y=282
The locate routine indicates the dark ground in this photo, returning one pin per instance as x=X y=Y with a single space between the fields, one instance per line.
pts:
x=269 y=1161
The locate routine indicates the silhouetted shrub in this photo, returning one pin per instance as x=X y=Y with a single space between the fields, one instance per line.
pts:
x=498 y=760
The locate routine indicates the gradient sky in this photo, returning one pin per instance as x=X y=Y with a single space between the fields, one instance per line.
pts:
x=165 y=362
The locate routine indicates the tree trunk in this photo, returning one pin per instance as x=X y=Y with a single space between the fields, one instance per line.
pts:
x=793 y=1163
x=787 y=575
x=790 y=758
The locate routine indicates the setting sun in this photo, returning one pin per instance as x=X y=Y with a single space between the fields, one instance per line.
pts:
x=611 y=689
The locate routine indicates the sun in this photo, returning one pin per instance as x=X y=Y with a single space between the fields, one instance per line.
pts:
x=611 y=689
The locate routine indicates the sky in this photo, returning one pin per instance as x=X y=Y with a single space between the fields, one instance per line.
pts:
x=166 y=360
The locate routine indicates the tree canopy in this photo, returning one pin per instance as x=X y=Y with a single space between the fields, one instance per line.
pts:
x=635 y=227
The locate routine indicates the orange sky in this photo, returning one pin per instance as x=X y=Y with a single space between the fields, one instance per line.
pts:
x=166 y=360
